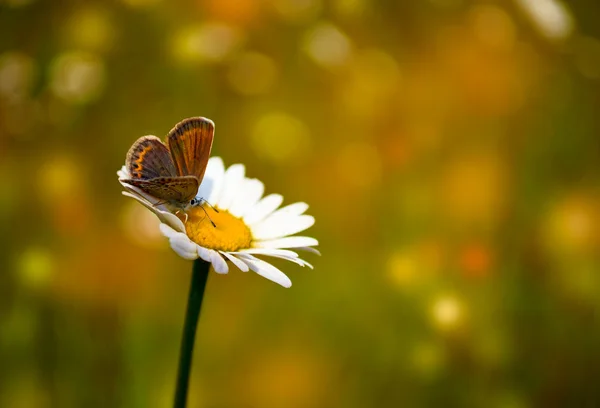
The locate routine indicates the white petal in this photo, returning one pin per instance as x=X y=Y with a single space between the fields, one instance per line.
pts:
x=287 y=242
x=297 y=261
x=282 y=225
x=212 y=181
x=282 y=254
x=173 y=221
x=167 y=230
x=152 y=201
x=136 y=194
x=263 y=208
x=270 y=251
x=292 y=209
x=183 y=242
x=218 y=263
x=234 y=176
x=183 y=249
x=267 y=270
x=122 y=173
x=179 y=242
x=302 y=263
x=203 y=253
x=237 y=262
x=309 y=249
x=249 y=194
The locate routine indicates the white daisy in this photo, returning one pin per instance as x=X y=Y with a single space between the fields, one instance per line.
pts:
x=247 y=224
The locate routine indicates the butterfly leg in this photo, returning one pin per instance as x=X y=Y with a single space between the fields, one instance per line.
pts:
x=186 y=215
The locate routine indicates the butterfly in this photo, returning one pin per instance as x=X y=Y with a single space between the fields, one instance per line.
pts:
x=172 y=172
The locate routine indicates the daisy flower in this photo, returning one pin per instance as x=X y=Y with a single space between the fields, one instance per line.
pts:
x=247 y=225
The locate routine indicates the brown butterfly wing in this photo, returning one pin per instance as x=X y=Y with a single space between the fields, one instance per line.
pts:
x=174 y=190
x=149 y=158
x=190 y=142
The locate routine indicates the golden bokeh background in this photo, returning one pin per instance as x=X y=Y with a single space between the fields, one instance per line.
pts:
x=450 y=152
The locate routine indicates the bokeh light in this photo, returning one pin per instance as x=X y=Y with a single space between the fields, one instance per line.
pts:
x=416 y=267
x=552 y=18
x=573 y=225
x=77 y=77
x=280 y=138
x=327 y=45
x=211 y=42
x=17 y=75
x=427 y=359
x=447 y=312
x=90 y=29
x=474 y=188
x=253 y=73
x=35 y=267
x=493 y=26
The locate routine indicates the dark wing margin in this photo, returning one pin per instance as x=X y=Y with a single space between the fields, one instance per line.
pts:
x=149 y=158
x=190 y=142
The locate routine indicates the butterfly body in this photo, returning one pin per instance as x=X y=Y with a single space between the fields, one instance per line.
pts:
x=172 y=173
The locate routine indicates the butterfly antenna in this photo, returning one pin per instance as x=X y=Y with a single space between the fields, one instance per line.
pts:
x=209 y=204
x=211 y=221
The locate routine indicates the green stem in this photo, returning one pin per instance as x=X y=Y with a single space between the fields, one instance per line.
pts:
x=199 y=277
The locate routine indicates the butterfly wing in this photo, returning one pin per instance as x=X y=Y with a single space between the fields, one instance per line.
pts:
x=149 y=158
x=174 y=190
x=190 y=142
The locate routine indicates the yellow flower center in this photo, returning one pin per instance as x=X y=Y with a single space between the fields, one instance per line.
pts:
x=230 y=233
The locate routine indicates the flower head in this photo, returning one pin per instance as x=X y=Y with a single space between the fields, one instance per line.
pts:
x=233 y=223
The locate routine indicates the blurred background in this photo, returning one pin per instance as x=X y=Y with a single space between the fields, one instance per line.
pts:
x=449 y=150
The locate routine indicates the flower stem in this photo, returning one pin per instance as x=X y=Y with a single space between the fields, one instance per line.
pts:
x=199 y=277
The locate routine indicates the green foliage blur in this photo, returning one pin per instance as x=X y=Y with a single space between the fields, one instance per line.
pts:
x=450 y=153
